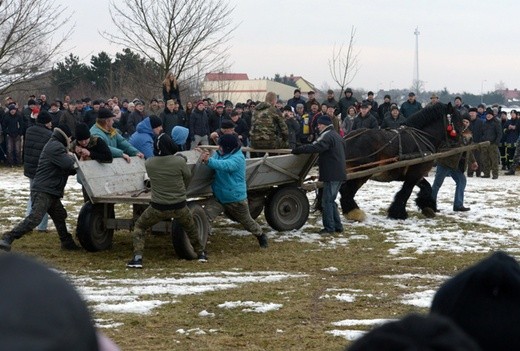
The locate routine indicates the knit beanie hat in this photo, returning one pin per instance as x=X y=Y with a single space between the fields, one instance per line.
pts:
x=325 y=120
x=155 y=121
x=484 y=301
x=164 y=146
x=65 y=129
x=44 y=117
x=228 y=142
x=227 y=124
x=416 y=332
x=82 y=132
x=41 y=309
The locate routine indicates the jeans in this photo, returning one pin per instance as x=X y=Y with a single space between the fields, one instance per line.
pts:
x=330 y=213
x=14 y=149
x=44 y=223
x=460 y=183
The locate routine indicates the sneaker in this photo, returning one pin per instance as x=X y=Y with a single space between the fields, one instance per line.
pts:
x=262 y=241
x=510 y=172
x=5 y=245
x=325 y=232
x=70 y=245
x=202 y=257
x=135 y=263
x=338 y=230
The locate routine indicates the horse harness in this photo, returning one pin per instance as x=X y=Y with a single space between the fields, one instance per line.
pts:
x=419 y=137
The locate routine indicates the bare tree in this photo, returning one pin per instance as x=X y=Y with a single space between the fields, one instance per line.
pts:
x=27 y=38
x=344 y=64
x=186 y=37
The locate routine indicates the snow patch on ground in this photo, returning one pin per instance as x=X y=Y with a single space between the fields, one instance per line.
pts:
x=251 y=306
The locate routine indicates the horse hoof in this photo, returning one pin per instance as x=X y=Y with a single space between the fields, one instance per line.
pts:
x=356 y=215
x=428 y=212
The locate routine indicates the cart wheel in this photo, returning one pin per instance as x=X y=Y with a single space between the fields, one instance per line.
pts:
x=286 y=208
x=91 y=230
x=256 y=206
x=181 y=242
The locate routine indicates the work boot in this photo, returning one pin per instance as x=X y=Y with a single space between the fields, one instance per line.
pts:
x=262 y=241
x=5 y=243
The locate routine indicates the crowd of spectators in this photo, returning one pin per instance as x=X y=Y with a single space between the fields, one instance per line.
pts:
x=204 y=118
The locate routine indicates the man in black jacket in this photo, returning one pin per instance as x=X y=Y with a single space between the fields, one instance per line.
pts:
x=54 y=167
x=35 y=139
x=331 y=164
x=87 y=147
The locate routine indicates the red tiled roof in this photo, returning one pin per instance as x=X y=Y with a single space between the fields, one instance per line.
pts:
x=226 y=76
x=510 y=94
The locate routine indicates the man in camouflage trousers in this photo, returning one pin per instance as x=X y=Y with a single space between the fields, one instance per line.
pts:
x=169 y=176
x=268 y=127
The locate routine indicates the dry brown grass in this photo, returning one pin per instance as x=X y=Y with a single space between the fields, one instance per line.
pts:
x=304 y=319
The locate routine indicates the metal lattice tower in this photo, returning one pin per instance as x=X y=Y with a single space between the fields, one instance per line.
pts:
x=416 y=60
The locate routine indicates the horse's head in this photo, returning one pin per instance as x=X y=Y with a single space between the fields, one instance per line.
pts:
x=454 y=124
x=442 y=122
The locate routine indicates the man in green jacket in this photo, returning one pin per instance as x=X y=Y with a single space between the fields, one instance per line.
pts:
x=169 y=176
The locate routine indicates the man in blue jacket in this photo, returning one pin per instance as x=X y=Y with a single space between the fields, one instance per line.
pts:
x=332 y=168
x=145 y=133
x=229 y=186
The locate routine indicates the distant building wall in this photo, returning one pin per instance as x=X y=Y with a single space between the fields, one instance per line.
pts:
x=242 y=90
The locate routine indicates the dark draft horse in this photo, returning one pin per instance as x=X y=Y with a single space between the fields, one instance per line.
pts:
x=434 y=127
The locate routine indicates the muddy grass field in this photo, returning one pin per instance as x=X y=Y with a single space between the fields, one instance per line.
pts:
x=303 y=292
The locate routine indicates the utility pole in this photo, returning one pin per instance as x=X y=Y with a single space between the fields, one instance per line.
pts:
x=416 y=81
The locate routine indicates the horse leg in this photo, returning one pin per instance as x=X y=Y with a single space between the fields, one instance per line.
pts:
x=425 y=199
x=397 y=209
x=349 y=206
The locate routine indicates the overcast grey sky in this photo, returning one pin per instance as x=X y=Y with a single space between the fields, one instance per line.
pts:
x=463 y=45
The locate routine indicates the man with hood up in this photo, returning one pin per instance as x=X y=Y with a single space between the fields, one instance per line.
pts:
x=145 y=133
x=54 y=167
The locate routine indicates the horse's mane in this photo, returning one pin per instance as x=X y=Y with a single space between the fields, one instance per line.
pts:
x=426 y=116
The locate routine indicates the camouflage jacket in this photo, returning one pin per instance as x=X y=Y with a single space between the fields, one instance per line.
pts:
x=268 y=124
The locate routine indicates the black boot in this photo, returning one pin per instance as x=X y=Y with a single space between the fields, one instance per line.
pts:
x=512 y=170
x=67 y=243
x=262 y=241
x=5 y=242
